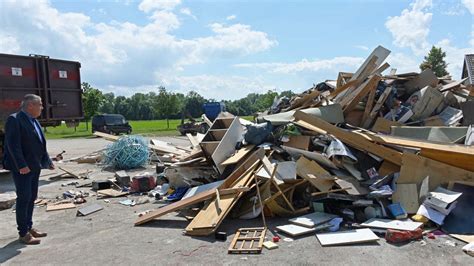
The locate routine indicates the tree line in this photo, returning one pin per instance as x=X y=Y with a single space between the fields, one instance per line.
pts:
x=165 y=104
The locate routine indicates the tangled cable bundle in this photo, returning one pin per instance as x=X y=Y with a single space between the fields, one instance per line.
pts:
x=126 y=153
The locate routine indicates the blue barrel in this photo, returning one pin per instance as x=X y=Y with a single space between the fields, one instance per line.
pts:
x=212 y=110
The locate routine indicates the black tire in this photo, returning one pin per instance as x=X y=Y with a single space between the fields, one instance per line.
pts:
x=203 y=128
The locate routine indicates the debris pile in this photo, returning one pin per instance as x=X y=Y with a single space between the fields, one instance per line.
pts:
x=350 y=160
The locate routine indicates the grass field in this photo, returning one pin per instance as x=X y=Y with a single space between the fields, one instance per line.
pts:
x=144 y=127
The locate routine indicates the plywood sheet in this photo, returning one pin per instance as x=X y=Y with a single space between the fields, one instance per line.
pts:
x=295 y=230
x=238 y=155
x=313 y=219
x=347 y=237
x=247 y=164
x=213 y=213
x=415 y=168
x=314 y=173
x=58 y=207
x=407 y=195
x=392 y=224
x=298 y=142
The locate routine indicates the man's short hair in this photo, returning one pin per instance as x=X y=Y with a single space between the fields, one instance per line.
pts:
x=28 y=98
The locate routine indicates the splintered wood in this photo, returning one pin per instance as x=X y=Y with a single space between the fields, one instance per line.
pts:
x=247 y=241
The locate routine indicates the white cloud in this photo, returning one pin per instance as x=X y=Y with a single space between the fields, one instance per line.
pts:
x=150 y=5
x=231 y=17
x=404 y=63
x=412 y=27
x=8 y=44
x=454 y=57
x=362 y=47
x=335 y=64
x=469 y=4
x=187 y=11
x=219 y=87
x=120 y=54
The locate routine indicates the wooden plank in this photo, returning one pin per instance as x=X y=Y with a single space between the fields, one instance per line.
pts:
x=415 y=168
x=298 y=142
x=378 y=105
x=354 y=187
x=388 y=168
x=380 y=53
x=111 y=193
x=465 y=238
x=238 y=155
x=347 y=237
x=359 y=94
x=193 y=140
x=407 y=195
x=213 y=213
x=344 y=87
x=381 y=69
x=453 y=158
x=106 y=136
x=456 y=155
x=62 y=206
x=244 y=167
x=384 y=125
x=392 y=224
x=313 y=123
x=369 y=104
x=313 y=173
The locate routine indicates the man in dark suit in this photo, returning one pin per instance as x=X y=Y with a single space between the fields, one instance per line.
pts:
x=25 y=155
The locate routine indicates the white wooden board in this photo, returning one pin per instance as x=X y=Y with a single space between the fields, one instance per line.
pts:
x=392 y=224
x=312 y=219
x=196 y=190
x=347 y=237
x=295 y=230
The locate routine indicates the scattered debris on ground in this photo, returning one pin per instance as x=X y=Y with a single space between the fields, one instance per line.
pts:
x=355 y=160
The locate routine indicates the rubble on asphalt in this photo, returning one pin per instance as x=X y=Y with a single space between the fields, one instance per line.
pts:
x=351 y=160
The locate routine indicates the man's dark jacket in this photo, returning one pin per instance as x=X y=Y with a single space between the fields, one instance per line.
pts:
x=23 y=146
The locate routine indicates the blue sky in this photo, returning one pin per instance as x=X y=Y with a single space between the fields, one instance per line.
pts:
x=227 y=49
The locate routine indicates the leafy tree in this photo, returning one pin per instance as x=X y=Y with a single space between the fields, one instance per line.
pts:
x=92 y=99
x=166 y=104
x=193 y=104
x=435 y=61
x=108 y=106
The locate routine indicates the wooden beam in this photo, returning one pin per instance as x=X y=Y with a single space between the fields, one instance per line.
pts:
x=354 y=140
x=246 y=166
x=368 y=122
x=360 y=93
x=369 y=104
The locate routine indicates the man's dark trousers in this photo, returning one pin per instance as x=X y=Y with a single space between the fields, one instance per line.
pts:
x=26 y=192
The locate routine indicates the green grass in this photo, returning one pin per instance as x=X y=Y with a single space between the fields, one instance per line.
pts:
x=143 y=127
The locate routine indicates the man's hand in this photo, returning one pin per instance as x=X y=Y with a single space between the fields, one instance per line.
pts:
x=25 y=170
x=52 y=166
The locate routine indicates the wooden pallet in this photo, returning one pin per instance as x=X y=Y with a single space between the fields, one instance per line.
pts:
x=248 y=241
